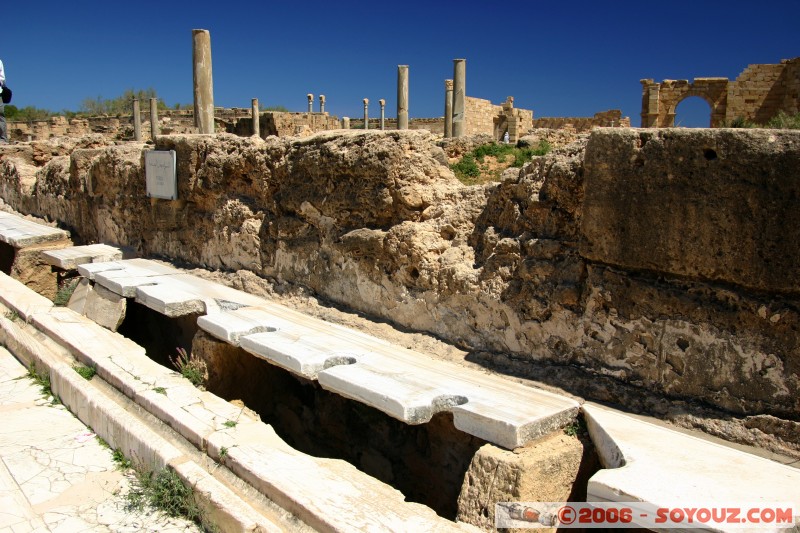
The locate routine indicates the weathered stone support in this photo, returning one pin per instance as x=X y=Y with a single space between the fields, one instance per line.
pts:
x=346 y=123
x=402 y=97
x=254 y=114
x=137 y=121
x=203 y=82
x=310 y=102
x=366 y=113
x=459 y=96
x=448 y=108
x=382 y=103
x=322 y=103
x=154 y=118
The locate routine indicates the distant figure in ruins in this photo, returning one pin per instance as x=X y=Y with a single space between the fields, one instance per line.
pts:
x=505 y=137
x=3 y=135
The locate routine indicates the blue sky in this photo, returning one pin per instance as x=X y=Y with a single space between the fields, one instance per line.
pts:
x=556 y=58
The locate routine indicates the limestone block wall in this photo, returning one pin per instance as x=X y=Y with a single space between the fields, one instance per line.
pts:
x=481 y=116
x=605 y=119
x=757 y=94
x=791 y=82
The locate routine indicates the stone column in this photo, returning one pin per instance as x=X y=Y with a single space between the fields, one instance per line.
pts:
x=366 y=113
x=203 y=82
x=650 y=103
x=346 y=123
x=382 y=103
x=322 y=103
x=256 y=117
x=459 y=96
x=402 y=97
x=153 y=119
x=310 y=102
x=448 y=108
x=137 y=121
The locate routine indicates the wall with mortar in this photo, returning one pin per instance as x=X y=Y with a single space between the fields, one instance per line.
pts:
x=657 y=262
x=605 y=119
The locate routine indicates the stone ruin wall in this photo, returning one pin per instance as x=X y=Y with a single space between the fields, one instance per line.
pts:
x=634 y=264
x=605 y=119
x=482 y=116
x=233 y=120
x=433 y=125
x=759 y=93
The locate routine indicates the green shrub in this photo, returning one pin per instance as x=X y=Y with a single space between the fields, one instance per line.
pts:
x=466 y=170
x=784 y=120
x=469 y=172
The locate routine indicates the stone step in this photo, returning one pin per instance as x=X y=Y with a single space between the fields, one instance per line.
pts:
x=402 y=383
x=21 y=233
x=69 y=258
x=646 y=462
x=329 y=495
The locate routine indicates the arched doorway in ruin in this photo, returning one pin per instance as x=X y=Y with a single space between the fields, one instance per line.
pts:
x=692 y=112
x=660 y=100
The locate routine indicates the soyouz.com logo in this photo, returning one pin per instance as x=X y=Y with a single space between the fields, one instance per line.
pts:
x=758 y=516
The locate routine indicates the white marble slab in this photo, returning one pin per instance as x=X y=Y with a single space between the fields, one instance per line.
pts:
x=69 y=258
x=646 y=462
x=20 y=232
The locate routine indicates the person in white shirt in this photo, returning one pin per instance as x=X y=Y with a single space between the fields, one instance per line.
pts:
x=3 y=135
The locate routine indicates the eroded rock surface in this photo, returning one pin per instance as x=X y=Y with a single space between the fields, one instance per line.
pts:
x=600 y=256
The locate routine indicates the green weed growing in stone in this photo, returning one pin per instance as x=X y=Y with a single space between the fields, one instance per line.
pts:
x=122 y=462
x=12 y=315
x=229 y=423
x=191 y=367
x=160 y=390
x=43 y=380
x=223 y=452
x=65 y=292
x=86 y=372
x=165 y=491
x=573 y=429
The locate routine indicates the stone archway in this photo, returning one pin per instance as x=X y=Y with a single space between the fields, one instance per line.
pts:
x=659 y=100
x=691 y=102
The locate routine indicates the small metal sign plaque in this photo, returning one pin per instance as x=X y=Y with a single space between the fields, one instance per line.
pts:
x=160 y=174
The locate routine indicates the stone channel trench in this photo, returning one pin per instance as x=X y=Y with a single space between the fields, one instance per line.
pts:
x=430 y=463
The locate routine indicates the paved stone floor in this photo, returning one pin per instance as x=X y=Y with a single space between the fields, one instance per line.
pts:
x=55 y=476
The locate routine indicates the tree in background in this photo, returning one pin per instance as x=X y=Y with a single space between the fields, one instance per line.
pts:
x=26 y=114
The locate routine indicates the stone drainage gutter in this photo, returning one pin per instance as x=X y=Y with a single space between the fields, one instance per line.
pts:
x=327 y=495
